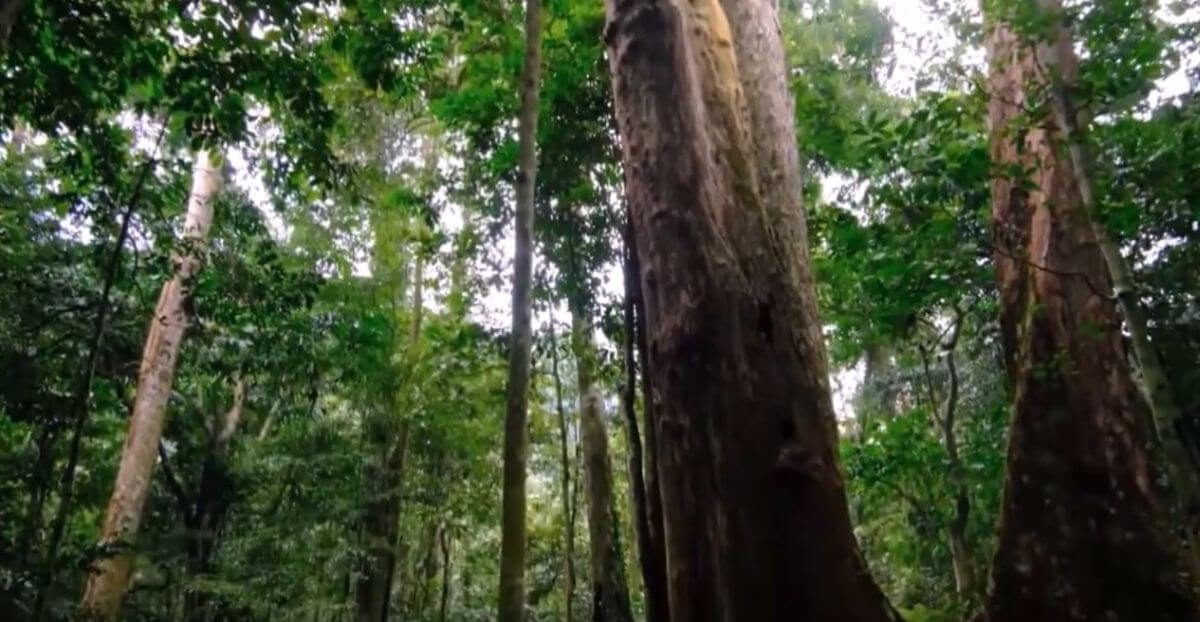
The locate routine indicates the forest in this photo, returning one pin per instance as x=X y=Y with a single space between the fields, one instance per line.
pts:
x=600 y=310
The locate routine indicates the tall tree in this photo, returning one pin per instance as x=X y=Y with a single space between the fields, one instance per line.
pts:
x=1056 y=59
x=397 y=238
x=568 y=506
x=610 y=593
x=1081 y=533
x=106 y=586
x=516 y=436
x=757 y=526
x=373 y=589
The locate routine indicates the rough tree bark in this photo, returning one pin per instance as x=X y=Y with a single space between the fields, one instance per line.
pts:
x=610 y=594
x=109 y=580
x=1080 y=535
x=516 y=436
x=756 y=522
x=655 y=584
x=567 y=500
x=1056 y=59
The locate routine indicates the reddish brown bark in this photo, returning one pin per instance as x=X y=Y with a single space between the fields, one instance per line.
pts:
x=1080 y=529
x=755 y=515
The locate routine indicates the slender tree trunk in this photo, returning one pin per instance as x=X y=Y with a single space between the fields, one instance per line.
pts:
x=657 y=600
x=424 y=569
x=652 y=583
x=516 y=436
x=961 y=556
x=459 y=295
x=10 y=10
x=205 y=515
x=1081 y=536
x=106 y=586
x=756 y=519
x=80 y=407
x=39 y=487
x=444 y=543
x=373 y=588
x=1056 y=59
x=567 y=500
x=610 y=595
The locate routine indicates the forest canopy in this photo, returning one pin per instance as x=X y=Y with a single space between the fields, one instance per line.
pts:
x=609 y=310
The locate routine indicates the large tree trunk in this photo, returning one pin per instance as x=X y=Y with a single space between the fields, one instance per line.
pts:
x=516 y=436
x=567 y=497
x=107 y=584
x=1058 y=61
x=1081 y=535
x=373 y=587
x=757 y=526
x=610 y=596
x=79 y=407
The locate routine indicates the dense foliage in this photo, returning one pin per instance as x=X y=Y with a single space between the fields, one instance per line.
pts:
x=352 y=299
